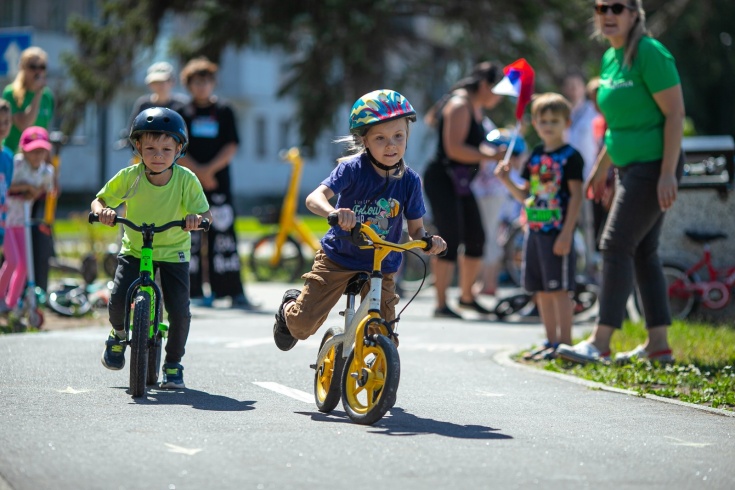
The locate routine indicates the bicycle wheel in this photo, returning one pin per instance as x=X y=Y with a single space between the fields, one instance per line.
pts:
x=329 y=366
x=139 y=344
x=288 y=269
x=512 y=304
x=370 y=383
x=69 y=301
x=154 y=360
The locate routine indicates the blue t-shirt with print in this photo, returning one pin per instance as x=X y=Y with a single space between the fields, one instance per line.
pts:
x=6 y=175
x=376 y=204
x=548 y=174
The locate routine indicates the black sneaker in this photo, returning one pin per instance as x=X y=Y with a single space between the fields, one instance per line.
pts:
x=474 y=305
x=446 y=312
x=173 y=375
x=283 y=338
x=114 y=355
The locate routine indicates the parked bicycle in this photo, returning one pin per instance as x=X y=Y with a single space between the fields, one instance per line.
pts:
x=359 y=363
x=279 y=255
x=145 y=335
x=687 y=290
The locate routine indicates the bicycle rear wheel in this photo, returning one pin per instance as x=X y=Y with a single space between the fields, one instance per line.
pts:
x=289 y=267
x=370 y=382
x=139 y=344
x=329 y=366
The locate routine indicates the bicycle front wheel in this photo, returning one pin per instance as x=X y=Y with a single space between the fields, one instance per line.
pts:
x=329 y=366
x=287 y=269
x=370 y=382
x=139 y=344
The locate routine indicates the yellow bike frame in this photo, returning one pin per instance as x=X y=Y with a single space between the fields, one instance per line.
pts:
x=289 y=221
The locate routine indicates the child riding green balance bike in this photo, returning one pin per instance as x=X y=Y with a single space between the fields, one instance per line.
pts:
x=156 y=190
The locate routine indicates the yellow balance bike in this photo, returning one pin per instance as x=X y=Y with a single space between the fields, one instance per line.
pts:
x=359 y=364
x=279 y=256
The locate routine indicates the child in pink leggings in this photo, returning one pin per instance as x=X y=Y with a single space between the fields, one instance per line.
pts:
x=32 y=175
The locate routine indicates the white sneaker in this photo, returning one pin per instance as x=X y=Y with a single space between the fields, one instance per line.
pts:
x=582 y=353
x=663 y=356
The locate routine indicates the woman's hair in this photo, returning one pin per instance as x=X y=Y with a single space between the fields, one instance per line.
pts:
x=486 y=70
x=635 y=34
x=19 y=84
x=198 y=66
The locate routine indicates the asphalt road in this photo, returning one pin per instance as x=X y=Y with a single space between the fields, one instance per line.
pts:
x=464 y=418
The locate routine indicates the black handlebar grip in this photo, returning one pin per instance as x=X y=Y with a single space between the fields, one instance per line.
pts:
x=204 y=225
x=333 y=219
x=428 y=240
x=93 y=218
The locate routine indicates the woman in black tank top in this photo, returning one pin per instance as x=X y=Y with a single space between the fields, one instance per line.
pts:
x=461 y=148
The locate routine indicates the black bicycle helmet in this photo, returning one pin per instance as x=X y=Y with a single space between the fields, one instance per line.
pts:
x=160 y=120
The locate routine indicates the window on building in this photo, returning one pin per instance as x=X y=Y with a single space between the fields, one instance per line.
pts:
x=285 y=134
x=261 y=137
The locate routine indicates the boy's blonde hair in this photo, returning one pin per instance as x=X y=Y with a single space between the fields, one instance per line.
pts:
x=552 y=102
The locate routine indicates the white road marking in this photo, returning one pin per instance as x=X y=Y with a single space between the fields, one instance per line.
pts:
x=182 y=450
x=681 y=442
x=487 y=393
x=72 y=391
x=299 y=395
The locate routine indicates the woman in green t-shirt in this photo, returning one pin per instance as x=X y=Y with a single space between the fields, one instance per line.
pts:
x=641 y=99
x=31 y=101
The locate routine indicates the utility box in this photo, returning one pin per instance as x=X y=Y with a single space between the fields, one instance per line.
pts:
x=710 y=163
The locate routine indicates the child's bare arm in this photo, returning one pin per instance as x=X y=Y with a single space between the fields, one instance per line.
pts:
x=318 y=203
x=563 y=243
x=107 y=215
x=417 y=231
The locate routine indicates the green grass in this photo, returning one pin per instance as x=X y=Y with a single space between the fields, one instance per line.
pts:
x=704 y=372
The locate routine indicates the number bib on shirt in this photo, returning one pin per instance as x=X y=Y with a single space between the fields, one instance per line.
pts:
x=204 y=127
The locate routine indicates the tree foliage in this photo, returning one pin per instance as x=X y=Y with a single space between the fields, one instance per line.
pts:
x=340 y=49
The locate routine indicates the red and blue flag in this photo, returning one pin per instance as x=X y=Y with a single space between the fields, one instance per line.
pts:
x=517 y=82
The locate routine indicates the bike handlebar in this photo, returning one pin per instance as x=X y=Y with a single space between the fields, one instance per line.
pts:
x=359 y=232
x=94 y=218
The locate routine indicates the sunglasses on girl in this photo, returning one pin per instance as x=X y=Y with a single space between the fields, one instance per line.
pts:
x=616 y=8
x=37 y=67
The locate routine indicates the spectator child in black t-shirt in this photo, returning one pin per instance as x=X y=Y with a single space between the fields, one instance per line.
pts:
x=552 y=197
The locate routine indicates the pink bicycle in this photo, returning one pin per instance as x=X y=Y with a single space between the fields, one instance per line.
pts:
x=687 y=290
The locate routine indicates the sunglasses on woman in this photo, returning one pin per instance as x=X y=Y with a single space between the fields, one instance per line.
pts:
x=616 y=8
x=37 y=67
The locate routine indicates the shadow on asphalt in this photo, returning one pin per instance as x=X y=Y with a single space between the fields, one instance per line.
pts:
x=199 y=400
x=401 y=423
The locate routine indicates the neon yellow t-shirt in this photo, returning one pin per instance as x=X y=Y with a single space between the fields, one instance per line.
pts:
x=147 y=203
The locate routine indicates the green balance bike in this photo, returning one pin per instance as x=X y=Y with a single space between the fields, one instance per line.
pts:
x=146 y=333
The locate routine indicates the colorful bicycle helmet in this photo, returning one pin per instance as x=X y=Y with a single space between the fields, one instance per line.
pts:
x=160 y=120
x=378 y=107
x=502 y=137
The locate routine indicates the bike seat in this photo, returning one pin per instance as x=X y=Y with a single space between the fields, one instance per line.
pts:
x=356 y=283
x=704 y=237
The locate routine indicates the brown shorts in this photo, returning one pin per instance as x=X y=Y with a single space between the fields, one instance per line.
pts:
x=322 y=290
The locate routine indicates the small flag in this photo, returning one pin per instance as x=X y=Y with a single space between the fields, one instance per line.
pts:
x=518 y=82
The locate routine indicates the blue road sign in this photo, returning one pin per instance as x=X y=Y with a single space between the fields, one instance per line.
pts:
x=12 y=43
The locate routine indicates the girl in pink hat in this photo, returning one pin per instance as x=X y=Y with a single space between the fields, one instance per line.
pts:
x=32 y=176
